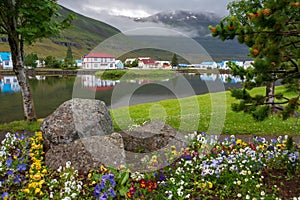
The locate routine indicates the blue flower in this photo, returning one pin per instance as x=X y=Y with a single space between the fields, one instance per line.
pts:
x=187 y=157
x=112 y=192
x=162 y=177
x=10 y=172
x=104 y=196
x=111 y=179
x=9 y=162
x=97 y=191
x=17 y=180
x=5 y=195
x=102 y=184
x=21 y=167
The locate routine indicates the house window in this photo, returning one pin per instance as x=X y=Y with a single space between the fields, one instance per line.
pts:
x=111 y=65
x=6 y=63
x=95 y=59
x=95 y=65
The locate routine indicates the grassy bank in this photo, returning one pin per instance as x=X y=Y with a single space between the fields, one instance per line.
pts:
x=135 y=74
x=21 y=126
x=209 y=112
x=195 y=113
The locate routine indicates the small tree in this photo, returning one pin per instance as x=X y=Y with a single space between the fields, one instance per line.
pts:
x=52 y=62
x=134 y=63
x=174 y=61
x=271 y=30
x=25 y=21
x=31 y=60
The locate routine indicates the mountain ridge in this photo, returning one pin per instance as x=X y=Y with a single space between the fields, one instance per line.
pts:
x=84 y=35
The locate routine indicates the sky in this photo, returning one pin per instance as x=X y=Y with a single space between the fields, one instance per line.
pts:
x=143 y=8
x=118 y=13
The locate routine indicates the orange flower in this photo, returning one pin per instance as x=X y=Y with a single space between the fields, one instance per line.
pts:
x=129 y=195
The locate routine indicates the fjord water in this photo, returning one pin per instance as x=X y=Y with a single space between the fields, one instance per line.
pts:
x=51 y=91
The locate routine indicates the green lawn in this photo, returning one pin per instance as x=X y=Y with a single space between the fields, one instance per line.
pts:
x=195 y=113
x=136 y=74
x=205 y=113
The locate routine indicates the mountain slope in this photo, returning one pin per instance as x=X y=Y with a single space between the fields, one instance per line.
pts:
x=195 y=25
x=83 y=36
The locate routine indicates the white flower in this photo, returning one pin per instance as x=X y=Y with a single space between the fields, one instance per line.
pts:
x=79 y=187
x=262 y=193
x=68 y=164
x=172 y=180
x=2 y=153
x=73 y=195
x=180 y=193
x=67 y=184
x=247 y=196
x=51 y=195
x=66 y=198
x=67 y=190
x=239 y=195
x=59 y=169
x=53 y=181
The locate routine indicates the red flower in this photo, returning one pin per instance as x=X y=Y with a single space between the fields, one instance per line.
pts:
x=142 y=183
x=149 y=185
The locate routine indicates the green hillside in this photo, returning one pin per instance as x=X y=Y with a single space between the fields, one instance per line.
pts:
x=83 y=36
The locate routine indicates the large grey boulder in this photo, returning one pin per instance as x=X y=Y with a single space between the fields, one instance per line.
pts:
x=88 y=153
x=75 y=119
x=153 y=141
x=151 y=136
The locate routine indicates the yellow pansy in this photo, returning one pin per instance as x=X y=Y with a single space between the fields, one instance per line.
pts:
x=103 y=169
x=27 y=191
x=36 y=177
x=37 y=190
x=44 y=171
x=210 y=185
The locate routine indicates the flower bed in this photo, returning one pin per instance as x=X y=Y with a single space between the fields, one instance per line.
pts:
x=207 y=169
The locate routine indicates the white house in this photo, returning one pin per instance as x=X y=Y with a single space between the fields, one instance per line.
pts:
x=146 y=63
x=5 y=60
x=247 y=64
x=98 y=61
x=163 y=64
x=224 y=64
x=129 y=61
x=207 y=65
x=78 y=63
x=119 y=64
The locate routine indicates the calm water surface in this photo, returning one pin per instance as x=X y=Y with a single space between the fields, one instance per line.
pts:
x=51 y=91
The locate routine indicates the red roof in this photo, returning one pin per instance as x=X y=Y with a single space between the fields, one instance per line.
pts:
x=148 y=61
x=101 y=88
x=99 y=55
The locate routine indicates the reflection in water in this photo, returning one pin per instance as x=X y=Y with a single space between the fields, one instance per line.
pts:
x=9 y=84
x=51 y=91
x=96 y=84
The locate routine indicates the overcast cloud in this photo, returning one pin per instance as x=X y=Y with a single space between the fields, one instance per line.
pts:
x=143 y=8
x=107 y=10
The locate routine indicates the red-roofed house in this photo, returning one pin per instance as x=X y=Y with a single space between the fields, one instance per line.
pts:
x=147 y=63
x=98 y=61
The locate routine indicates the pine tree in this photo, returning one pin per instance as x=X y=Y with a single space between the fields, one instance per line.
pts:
x=271 y=30
x=69 y=60
x=174 y=61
